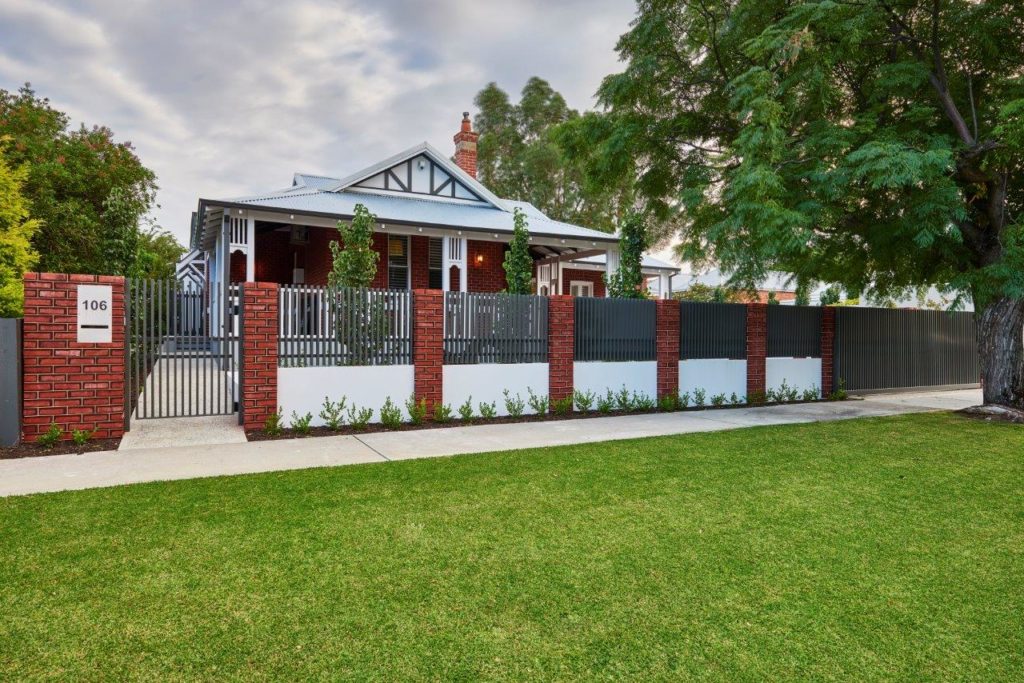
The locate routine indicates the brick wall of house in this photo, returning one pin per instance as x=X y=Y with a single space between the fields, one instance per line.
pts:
x=561 y=345
x=259 y=353
x=76 y=386
x=419 y=257
x=428 y=345
x=757 y=349
x=594 y=276
x=667 y=344
x=487 y=275
x=275 y=257
x=828 y=337
x=237 y=267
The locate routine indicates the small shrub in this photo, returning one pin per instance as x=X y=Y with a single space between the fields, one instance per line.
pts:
x=81 y=436
x=623 y=399
x=466 y=410
x=333 y=413
x=772 y=396
x=757 y=398
x=514 y=406
x=811 y=394
x=668 y=403
x=735 y=399
x=390 y=415
x=562 y=406
x=699 y=397
x=274 y=422
x=488 y=411
x=606 y=403
x=642 y=402
x=50 y=436
x=540 y=404
x=718 y=400
x=788 y=393
x=684 y=399
x=300 y=423
x=442 y=413
x=584 y=401
x=417 y=411
x=839 y=393
x=358 y=418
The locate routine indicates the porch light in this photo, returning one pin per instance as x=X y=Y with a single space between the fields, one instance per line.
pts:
x=479 y=259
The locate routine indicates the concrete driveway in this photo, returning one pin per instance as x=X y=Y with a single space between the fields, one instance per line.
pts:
x=191 y=460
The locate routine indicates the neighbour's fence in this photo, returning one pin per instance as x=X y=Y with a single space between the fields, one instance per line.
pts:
x=324 y=326
x=881 y=348
x=712 y=330
x=615 y=329
x=495 y=328
x=794 y=331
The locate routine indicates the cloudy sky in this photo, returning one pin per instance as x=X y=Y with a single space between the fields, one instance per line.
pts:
x=230 y=98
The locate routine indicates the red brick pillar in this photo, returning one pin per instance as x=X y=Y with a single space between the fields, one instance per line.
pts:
x=828 y=343
x=666 y=341
x=259 y=353
x=75 y=385
x=561 y=345
x=428 y=346
x=757 y=350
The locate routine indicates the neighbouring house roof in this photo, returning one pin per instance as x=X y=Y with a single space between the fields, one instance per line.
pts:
x=417 y=187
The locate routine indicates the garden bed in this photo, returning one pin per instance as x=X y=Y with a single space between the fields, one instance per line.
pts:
x=34 y=450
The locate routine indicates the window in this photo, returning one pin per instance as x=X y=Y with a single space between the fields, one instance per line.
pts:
x=398 y=262
x=434 y=263
x=581 y=288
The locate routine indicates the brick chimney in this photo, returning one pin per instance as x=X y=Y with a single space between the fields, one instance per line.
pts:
x=465 y=146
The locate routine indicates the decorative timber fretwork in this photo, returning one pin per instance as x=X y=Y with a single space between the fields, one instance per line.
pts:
x=420 y=175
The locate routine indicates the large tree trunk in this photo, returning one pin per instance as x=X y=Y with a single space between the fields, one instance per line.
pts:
x=1001 y=349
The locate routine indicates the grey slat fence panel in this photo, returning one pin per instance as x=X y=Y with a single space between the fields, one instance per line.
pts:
x=10 y=380
x=324 y=326
x=615 y=329
x=794 y=331
x=712 y=330
x=495 y=328
x=882 y=348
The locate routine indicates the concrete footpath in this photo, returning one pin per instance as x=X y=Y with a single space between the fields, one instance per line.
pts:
x=189 y=460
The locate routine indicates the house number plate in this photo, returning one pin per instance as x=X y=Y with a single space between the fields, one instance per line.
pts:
x=95 y=314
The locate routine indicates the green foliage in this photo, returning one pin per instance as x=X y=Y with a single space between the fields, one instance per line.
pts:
x=518 y=263
x=17 y=256
x=623 y=399
x=606 y=403
x=668 y=403
x=442 y=413
x=359 y=418
x=51 y=436
x=628 y=281
x=514 y=406
x=734 y=399
x=562 y=406
x=466 y=410
x=333 y=413
x=390 y=414
x=803 y=293
x=642 y=402
x=81 y=436
x=156 y=254
x=718 y=400
x=301 y=423
x=488 y=411
x=830 y=296
x=708 y=294
x=811 y=394
x=88 y=192
x=684 y=399
x=274 y=423
x=839 y=393
x=699 y=397
x=417 y=410
x=354 y=261
x=757 y=398
x=539 y=403
x=584 y=400
x=773 y=300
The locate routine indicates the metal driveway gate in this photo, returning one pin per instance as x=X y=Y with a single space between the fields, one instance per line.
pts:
x=181 y=349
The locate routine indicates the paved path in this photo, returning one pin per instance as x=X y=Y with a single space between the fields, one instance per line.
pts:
x=109 y=468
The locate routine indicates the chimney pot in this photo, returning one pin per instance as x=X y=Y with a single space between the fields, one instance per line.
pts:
x=465 y=146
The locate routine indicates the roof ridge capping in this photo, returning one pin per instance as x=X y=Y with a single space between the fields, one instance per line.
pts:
x=425 y=148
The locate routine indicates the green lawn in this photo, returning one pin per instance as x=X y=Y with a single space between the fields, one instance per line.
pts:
x=870 y=549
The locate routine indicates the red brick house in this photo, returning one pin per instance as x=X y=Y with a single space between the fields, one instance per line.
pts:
x=438 y=227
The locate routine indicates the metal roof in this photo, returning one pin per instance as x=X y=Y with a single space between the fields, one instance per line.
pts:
x=647 y=262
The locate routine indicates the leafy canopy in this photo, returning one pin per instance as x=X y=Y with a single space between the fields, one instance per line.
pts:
x=627 y=282
x=354 y=261
x=16 y=230
x=518 y=263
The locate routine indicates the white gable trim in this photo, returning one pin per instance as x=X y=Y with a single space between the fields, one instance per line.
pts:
x=446 y=164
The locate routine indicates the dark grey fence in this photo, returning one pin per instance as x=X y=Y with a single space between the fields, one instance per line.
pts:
x=10 y=381
x=712 y=330
x=794 y=331
x=321 y=326
x=495 y=328
x=615 y=329
x=881 y=348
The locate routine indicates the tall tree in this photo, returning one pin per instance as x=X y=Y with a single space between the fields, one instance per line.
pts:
x=354 y=261
x=518 y=263
x=89 y=191
x=16 y=229
x=627 y=282
x=876 y=144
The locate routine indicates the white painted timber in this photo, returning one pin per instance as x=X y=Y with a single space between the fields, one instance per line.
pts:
x=486 y=382
x=638 y=376
x=714 y=376
x=802 y=373
x=304 y=389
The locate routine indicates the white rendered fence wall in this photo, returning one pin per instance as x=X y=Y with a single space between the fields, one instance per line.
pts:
x=714 y=376
x=800 y=373
x=369 y=386
x=486 y=382
x=639 y=376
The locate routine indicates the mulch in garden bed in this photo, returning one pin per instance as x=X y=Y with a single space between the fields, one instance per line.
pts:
x=33 y=450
